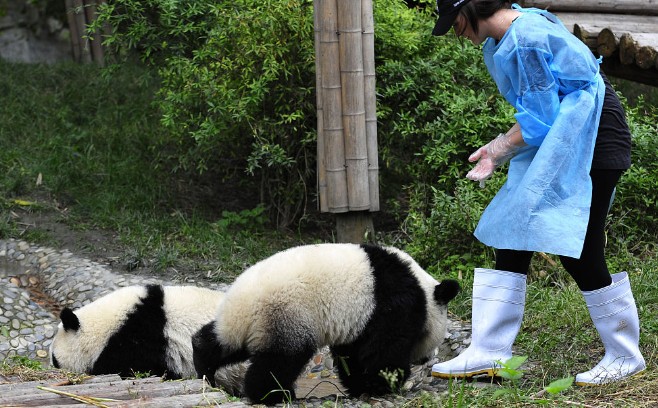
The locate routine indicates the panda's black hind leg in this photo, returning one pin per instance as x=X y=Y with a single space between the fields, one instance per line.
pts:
x=271 y=377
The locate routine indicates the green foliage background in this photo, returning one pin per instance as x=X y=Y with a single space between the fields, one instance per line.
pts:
x=237 y=94
x=228 y=89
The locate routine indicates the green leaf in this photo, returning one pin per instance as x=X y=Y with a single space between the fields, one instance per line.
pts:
x=515 y=362
x=500 y=392
x=509 y=374
x=559 y=385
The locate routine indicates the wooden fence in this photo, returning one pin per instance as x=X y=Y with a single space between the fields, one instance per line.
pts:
x=624 y=32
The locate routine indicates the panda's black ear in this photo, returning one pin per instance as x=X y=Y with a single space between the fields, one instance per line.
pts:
x=69 y=320
x=445 y=291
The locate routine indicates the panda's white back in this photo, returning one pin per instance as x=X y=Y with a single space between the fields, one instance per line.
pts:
x=324 y=289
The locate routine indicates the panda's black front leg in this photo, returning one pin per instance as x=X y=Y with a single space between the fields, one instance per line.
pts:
x=206 y=353
x=271 y=377
x=364 y=373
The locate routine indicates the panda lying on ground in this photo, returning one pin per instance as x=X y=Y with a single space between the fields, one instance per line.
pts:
x=140 y=329
x=375 y=307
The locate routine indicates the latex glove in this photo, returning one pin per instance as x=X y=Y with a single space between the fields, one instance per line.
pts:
x=490 y=157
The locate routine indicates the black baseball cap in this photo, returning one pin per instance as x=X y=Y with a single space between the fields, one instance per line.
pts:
x=448 y=11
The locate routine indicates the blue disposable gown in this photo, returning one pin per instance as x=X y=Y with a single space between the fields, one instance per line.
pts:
x=553 y=81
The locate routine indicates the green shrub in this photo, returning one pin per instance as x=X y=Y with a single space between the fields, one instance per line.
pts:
x=237 y=95
x=237 y=87
x=634 y=211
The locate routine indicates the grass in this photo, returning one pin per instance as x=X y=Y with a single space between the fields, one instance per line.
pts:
x=88 y=150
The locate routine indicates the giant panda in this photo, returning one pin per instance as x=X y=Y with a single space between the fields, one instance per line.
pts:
x=375 y=307
x=139 y=329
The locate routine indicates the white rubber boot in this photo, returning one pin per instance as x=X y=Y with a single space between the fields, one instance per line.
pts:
x=498 y=303
x=615 y=317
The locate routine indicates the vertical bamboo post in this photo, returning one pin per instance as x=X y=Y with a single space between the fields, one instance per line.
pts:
x=332 y=131
x=367 y=20
x=73 y=28
x=347 y=123
x=96 y=47
x=321 y=167
x=81 y=24
x=354 y=124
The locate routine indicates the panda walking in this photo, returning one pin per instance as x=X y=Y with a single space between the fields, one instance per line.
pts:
x=375 y=307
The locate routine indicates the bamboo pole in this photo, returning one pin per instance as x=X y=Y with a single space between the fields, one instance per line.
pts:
x=334 y=149
x=321 y=166
x=96 y=42
x=370 y=101
x=73 y=29
x=81 y=24
x=354 y=124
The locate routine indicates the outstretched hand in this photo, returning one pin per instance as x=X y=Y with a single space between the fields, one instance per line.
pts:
x=490 y=156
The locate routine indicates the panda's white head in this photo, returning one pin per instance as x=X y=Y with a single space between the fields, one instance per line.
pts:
x=82 y=334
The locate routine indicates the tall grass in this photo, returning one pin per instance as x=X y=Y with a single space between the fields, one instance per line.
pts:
x=86 y=144
x=85 y=136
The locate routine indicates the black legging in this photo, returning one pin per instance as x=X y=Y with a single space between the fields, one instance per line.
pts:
x=590 y=271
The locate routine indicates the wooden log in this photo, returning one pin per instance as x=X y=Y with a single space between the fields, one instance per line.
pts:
x=353 y=94
x=647 y=49
x=587 y=34
x=334 y=149
x=20 y=388
x=121 y=390
x=368 y=23
x=616 y=22
x=645 y=57
x=206 y=399
x=321 y=165
x=627 y=49
x=644 y=7
x=607 y=42
x=614 y=68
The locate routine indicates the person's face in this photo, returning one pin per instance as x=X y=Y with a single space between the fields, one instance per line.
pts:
x=463 y=29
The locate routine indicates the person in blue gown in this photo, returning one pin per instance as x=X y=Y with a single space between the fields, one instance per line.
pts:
x=567 y=149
